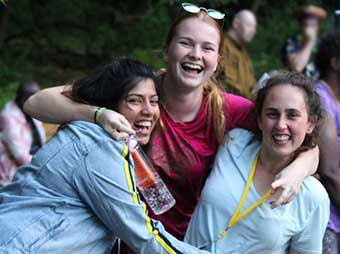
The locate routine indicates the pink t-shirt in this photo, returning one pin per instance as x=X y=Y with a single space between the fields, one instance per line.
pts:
x=183 y=154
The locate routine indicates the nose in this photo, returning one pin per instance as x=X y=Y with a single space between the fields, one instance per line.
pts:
x=147 y=108
x=195 y=52
x=281 y=123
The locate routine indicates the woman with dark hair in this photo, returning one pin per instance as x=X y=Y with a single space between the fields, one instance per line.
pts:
x=78 y=194
x=195 y=116
x=232 y=215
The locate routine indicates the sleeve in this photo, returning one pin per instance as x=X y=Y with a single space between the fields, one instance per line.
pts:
x=108 y=187
x=9 y=135
x=309 y=239
x=325 y=99
x=239 y=112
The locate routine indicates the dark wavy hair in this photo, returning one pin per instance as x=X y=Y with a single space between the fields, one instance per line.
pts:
x=329 y=47
x=312 y=99
x=110 y=84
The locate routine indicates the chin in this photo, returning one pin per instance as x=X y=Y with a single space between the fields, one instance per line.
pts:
x=283 y=152
x=143 y=140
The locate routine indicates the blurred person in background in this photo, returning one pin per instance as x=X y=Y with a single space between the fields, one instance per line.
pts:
x=298 y=51
x=328 y=63
x=20 y=135
x=236 y=72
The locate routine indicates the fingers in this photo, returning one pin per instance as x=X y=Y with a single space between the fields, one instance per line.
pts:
x=286 y=195
x=124 y=126
x=115 y=124
x=121 y=136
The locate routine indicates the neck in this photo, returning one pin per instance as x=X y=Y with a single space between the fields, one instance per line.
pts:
x=233 y=35
x=182 y=105
x=333 y=80
x=271 y=163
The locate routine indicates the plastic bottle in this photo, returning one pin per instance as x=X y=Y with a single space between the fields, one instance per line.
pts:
x=149 y=183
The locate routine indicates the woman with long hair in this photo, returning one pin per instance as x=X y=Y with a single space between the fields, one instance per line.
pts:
x=233 y=214
x=194 y=116
x=79 y=192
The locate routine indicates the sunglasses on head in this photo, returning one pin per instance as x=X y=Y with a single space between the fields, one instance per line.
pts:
x=195 y=9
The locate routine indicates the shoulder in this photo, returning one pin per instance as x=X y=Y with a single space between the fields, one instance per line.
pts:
x=313 y=194
x=235 y=101
x=239 y=112
x=239 y=140
x=326 y=96
x=321 y=88
x=91 y=136
x=240 y=136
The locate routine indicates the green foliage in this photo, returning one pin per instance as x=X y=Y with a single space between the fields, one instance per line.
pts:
x=8 y=93
x=58 y=40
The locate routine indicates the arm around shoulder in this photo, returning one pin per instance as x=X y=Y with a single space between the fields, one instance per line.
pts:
x=50 y=105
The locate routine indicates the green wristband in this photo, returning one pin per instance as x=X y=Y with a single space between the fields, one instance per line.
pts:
x=97 y=113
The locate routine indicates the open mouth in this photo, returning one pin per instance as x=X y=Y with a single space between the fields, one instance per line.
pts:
x=281 y=138
x=143 y=126
x=192 y=68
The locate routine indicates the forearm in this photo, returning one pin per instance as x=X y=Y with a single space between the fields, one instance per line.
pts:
x=298 y=61
x=307 y=162
x=50 y=105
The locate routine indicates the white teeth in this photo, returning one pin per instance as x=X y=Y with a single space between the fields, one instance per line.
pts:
x=144 y=123
x=193 y=66
x=281 y=137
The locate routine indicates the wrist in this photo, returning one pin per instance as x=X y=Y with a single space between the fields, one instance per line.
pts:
x=97 y=113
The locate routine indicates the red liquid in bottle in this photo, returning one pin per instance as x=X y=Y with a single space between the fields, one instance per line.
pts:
x=145 y=177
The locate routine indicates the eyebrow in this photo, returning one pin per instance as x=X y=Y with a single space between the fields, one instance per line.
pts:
x=139 y=95
x=204 y=42
x=275 y=109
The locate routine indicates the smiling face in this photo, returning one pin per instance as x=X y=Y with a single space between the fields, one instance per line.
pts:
x=284 y=120
x=140 y=108
x=193 y=53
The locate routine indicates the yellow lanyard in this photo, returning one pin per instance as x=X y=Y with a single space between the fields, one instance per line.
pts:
x=237 y=216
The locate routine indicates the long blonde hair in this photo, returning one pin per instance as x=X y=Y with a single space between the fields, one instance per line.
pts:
x=213 y=93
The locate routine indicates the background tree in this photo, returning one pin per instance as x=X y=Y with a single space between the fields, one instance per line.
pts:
x=55 y=41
